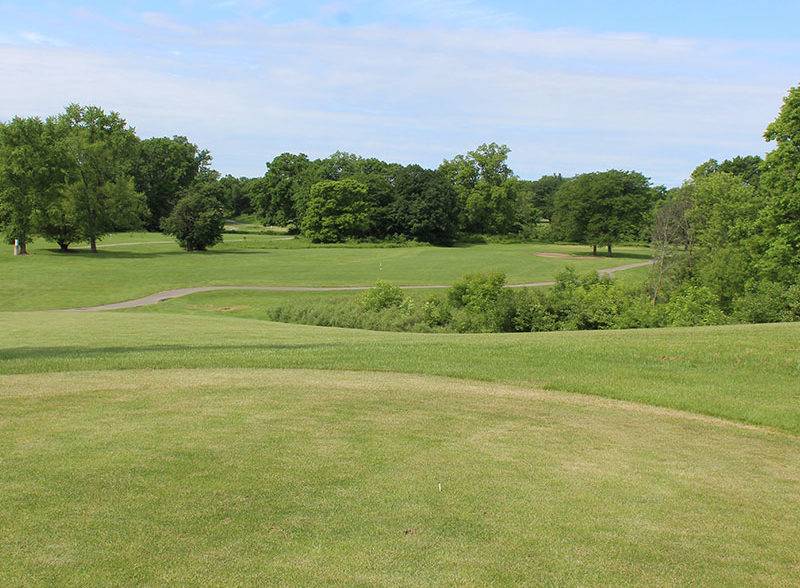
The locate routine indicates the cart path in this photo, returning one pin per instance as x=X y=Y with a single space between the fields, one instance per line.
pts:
x=179 y=292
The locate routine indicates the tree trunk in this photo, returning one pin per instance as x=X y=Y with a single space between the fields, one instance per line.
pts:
x=20 y=247
x=609 y=250
x=93 y=245
x=594 y=249
x=64 y=246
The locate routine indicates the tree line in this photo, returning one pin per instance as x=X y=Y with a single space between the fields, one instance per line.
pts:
x=82 y=174
x=345 y=196
x=726 y=249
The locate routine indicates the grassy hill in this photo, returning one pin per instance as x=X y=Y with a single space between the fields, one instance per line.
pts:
x=185 y=443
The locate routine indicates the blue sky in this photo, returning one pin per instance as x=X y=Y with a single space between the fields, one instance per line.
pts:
x=570 y=86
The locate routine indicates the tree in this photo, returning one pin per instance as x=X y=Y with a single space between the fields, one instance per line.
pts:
x=722 y=221
x=58 y=222
x=780 y=183
x=603 y=208
x=31 y=172
x=279 y=199
x=424 y=205
x=337 y=210
x=100 y=149
x=234 y=195
x=747 y=168
x=162 y=168
x=542 y=193
x=197 y=222
x=671 y=241
x=488 y=191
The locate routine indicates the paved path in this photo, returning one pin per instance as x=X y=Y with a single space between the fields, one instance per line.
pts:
x=179 y=292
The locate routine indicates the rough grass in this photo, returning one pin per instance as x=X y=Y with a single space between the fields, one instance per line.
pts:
x=132 y=265
x=303 y=477
x=747 y=373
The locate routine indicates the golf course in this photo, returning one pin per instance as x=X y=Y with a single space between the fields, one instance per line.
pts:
x=399 y=294
x=195 y=441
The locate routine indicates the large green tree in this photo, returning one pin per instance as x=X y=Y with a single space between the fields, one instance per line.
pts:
x=100 y=149
x=424 y=205
x=197 y=222
x=747 y=168
x=780 y=184
x=603 y=208
x=162 y=168
x=280 y=196
x=337 y=210
x=31 y=173
x=542 y=193
x=489 y=193
x=723 y=224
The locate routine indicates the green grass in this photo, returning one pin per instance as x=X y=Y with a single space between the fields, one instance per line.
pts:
x=132 y=265
x=297 y=477
x=747 y=373
x=186 y=443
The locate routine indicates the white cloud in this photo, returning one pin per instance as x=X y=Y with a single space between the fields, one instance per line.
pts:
x=40 y=39
x=563 y=100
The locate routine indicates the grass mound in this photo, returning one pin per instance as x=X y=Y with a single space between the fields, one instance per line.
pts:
x=307 y=477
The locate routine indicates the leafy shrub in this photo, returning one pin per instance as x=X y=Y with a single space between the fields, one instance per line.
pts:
x=437 y=312
x=532 y=312
x=477 y=292
x=694 y=306
x=481 y=303
x=382 y=295
x=196 y=222
x=768 y=302
x=348 y=313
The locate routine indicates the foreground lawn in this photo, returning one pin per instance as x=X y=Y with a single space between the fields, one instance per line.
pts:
x=747 y=373
x=132 y=265
x=226 y=476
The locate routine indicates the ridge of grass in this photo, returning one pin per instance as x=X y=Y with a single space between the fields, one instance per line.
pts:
x=747 y=373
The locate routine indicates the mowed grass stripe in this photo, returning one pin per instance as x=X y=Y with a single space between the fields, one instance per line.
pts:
x=309 y=477
x=747 y=373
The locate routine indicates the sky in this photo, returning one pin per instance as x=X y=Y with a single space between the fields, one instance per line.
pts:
x=570 y=86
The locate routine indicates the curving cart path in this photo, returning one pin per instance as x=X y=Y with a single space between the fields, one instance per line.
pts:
x=179 y=292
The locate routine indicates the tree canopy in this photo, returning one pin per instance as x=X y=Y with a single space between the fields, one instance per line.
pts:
x=162 y=168
x=604 y=208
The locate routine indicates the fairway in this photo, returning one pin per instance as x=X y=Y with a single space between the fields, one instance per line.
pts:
x=307 y=477
x=192 y=441
x=132 y=265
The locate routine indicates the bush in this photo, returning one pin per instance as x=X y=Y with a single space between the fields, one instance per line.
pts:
x=481 y=303
x=694 y=306
x=437 y=312
x=532 y=312
x=196 y=222
x=381 y=296
x=349 y=313
x=768 y=302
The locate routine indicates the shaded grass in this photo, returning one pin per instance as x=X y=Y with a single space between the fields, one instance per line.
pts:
x=132 y=265
x=747 y=373
x=302 y=477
